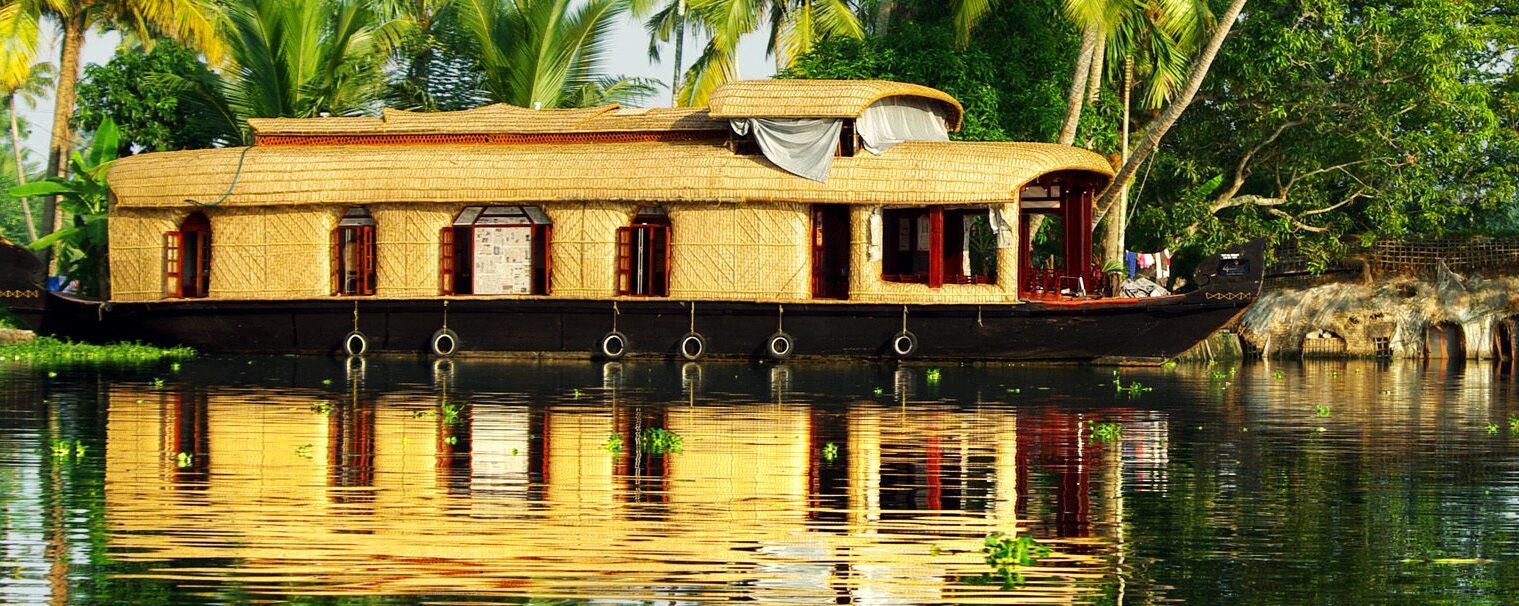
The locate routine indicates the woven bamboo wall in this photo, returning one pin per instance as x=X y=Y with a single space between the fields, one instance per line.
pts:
x=866 y=285
x=137 y=237
x=751 y=252
x=272 y=253
x=406 y=239
x=585 y=247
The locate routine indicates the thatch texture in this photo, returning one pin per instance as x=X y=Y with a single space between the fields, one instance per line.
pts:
x=497 y=118
x=745 y=253
x=137 y=239
x=406 y=241
x=272 y=253
x=585 y=247
x=650 y=172
x=819 y=99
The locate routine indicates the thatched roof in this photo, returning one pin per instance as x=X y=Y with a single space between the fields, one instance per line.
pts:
x=910 y=173
x=499 y=118
x=819 y=99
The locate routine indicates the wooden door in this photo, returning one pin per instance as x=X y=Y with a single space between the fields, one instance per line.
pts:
x=830 y=251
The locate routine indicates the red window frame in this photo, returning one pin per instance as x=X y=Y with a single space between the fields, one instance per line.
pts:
x=364 y=257
x=173 y=264
x=176 y=265
x=449 y=261
x=446 y=260
x=657 y=270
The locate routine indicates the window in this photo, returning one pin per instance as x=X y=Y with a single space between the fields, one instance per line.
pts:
x=937 y=245
x=187 y=258
x=496 y=250
x=643 y=255
x=353 y=254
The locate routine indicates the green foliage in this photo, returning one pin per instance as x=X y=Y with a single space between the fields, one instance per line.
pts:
x=50 y=350
x=131 y=91
x=659 y=441
x=1007 y=556
x=1366 y=119
x=1011 y=78
x=84 y=196
x=830 y=452
x=540 y=52
x=614 y=444
x=1103 y=433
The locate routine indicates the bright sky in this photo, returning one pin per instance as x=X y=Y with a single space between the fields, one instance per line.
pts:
x=629 y=57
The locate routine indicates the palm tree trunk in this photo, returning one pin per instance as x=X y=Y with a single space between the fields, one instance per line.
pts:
x=1094 y=79
x=26 y=206
x=63 y=110
x=1113 y=237
x=680 y=47
x=1168 y=118
x=1074 y=99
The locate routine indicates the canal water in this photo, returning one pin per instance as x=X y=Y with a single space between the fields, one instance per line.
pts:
x=308 y=480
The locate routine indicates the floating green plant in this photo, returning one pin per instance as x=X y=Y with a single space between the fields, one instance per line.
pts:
x=1278 y=375
x=174 y=367
x=1492 y=429
x=322 y=408
x=452 y=412
x=1105 y=432
x=157 y=383
x=327 y=381
x=614 y=444
x=575 y=394
x=303 y=451
x=451 y=440
x=1007 y=556
x=658 y=441
x=1322 y=410
x=1513 y=424
x=185 y=459
x=1014 y=390
x=1133 y=389
x=830 y=452
x=878 y=391
x=64 y=449
x=933 y=376
x=50 y=350
x=1168 y=365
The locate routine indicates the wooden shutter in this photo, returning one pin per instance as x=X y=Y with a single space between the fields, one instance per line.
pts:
x=546 y=235
x=203 y=264
x=625 y=260
x=366 y=260
x=174 y=244
x=935 y=247
x=446 y=261
x=664 y=274
x=337 y=261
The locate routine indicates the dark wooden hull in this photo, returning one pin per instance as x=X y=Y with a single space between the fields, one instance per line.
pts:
x=1148 y=330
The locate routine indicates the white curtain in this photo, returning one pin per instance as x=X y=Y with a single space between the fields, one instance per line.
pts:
x=896 y=119
x=802 y=146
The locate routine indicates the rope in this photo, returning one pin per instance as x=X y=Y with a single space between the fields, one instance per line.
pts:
x=356 y=316
x=978 y=317
x=615 y=312
x=904 y=318
x=693 y=316
x=780 y=320
x=235 y=177
x=445 y=314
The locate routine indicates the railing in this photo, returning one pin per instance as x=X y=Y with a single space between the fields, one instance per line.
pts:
x=1056 y=283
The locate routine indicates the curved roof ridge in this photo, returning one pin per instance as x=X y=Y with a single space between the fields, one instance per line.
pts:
x=787 y=98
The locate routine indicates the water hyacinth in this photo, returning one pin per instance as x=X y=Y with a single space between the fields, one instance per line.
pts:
x=50 y=350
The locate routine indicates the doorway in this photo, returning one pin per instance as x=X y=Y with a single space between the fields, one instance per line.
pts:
x=830 y=251
x=187 y=258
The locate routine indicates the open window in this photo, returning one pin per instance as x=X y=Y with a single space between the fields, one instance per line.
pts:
x=187 y=258
x=936 y=245
x=643 y=255
x=354 y=254
x=496 y=250
x=1057 y=259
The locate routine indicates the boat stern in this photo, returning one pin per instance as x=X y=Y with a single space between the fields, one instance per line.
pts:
x=21 y=291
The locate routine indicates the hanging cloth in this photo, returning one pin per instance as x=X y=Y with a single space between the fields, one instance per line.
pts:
x=894 y=120
x=802 y=147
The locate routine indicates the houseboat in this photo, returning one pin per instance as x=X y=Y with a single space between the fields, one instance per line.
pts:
x=785 y=218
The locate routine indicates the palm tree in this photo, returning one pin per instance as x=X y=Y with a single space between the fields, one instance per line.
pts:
x=795 y=26
x=667 y=24
x=190 y=21
x=31 y=89
x=295 y=59
x=536 y=53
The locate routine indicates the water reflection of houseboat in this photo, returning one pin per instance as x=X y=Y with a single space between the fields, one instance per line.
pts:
x=517 y=499
x=842 y=221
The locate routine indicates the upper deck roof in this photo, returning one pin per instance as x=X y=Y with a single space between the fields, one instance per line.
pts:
x=917 y=172
x=820 y=99
x=747 y=99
